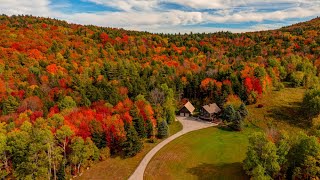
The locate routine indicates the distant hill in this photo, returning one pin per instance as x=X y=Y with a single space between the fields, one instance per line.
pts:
x=67 y=90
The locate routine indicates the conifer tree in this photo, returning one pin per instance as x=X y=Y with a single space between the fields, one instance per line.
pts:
x=132 y=145
x=163 y=129
x=243 y=110
x=139 y=127
x=149 y=129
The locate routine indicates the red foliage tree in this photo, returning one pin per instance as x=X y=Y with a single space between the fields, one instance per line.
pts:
x=104 y=38
x=52 y=69
x=248 y=84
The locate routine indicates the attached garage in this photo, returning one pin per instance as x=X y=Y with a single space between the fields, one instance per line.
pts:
x=184 y=114
x=186 y=110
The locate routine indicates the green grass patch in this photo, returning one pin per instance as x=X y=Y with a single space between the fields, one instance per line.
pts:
x=119 y=168
x=210 y=153
x=281 y=110
x=175 y=127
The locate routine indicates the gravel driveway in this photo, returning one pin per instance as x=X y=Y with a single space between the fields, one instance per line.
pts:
x=189 y=124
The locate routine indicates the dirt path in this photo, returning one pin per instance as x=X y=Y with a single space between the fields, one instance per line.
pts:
x=189 y=124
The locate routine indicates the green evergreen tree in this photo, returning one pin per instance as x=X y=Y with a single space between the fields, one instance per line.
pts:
x=237 y=122
x=138 y=122
x=149 y=129
x=229 y=113
x=163 y=129
x=139 y=127
x=132 y=145
x=243 y=111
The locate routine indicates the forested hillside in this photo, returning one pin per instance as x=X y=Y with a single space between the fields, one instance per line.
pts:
x=69 y=93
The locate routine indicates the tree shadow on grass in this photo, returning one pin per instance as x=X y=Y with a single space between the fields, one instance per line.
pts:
x=225 y=128
x=292 y=114
x=225 y=171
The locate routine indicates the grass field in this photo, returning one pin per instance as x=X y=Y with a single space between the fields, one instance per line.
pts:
x=281 y=110
x=210 y=153
x=119 y=168
x=217 y=154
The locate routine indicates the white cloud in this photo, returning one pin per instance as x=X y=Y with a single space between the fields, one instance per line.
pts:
x=125 y=19
x=229 y=4
x=35 y=7
x=247 y=16
x=147 y=15
x=128 y=5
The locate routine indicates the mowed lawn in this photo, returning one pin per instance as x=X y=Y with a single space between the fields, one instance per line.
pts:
x=120 y=168
x=218 y=154
x=210 y=153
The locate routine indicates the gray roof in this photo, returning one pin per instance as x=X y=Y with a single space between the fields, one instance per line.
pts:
x=189 y=106
x=212 y=108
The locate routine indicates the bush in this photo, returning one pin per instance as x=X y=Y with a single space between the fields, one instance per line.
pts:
x=152 y=140
x=252 y=98
x=279 y=86
x=243 y=110
x=104 y=153
x=260 y=106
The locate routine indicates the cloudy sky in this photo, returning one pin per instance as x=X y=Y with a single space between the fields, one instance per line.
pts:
x=172 y=16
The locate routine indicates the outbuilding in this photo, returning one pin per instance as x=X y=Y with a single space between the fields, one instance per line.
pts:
x=187 y=110
x=208 y=112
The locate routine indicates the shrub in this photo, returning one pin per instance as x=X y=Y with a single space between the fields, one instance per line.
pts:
x=104 y=153
x=252 y=98
x=260 y=106
x=279 y=86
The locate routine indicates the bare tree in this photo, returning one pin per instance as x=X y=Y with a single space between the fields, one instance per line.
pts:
x=157 y=96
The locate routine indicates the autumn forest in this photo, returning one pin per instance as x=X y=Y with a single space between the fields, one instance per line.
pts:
x=72 y=95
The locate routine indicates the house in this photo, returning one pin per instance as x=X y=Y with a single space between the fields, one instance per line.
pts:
x=187 y=110
x=208 y=112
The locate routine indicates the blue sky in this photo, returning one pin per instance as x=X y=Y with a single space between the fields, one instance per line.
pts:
x=172 y=16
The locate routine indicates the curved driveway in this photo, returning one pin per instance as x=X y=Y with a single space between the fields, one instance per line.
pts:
x=189 y=124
